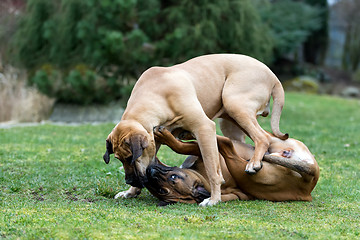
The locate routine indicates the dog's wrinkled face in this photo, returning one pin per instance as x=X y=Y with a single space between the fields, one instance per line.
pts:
x=173 y=184
x=134 y=148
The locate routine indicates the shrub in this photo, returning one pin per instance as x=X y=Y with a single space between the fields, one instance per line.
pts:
x=302 y=84
x=291 y=23
x=47 y=79
x=81 y=85
x=118 y=40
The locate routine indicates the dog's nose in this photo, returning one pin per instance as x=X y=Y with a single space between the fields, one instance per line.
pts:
x=151 y=171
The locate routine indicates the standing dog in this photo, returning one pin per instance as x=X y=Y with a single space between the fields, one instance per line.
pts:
x=289 y=173
x=189 y=96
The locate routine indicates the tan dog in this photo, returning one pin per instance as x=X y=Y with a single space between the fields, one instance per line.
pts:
x=290 y=172
x=188 y=96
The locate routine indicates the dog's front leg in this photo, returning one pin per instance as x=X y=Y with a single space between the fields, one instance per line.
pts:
x=206 y=136
x=132 y=192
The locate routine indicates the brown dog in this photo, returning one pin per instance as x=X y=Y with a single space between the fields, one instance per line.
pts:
x=290 y=172
x=189 y=96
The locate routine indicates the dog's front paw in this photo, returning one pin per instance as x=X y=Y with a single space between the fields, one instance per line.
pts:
x=208 y=202
x=160 y=130
x=160 y=134
x=131 y=193
x=124 y=194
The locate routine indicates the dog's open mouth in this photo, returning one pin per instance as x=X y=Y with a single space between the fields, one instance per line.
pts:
x=200 y=193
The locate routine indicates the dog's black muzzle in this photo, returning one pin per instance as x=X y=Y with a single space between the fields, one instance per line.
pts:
x=134 y=181
x=156 y=175
x=157 y=172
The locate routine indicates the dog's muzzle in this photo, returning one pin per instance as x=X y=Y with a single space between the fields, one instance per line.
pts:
x=152 y=173
x=135 y=179
x=135 y=182
x=156 y=172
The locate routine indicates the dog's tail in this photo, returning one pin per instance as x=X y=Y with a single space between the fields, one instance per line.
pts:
x=279 y=100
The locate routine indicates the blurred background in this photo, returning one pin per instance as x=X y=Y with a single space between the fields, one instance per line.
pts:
x=76 y=60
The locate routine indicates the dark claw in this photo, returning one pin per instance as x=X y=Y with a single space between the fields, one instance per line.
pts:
x=250 y=172
x=158 y=129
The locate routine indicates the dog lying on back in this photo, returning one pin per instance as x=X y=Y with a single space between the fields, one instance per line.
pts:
x=289 y=172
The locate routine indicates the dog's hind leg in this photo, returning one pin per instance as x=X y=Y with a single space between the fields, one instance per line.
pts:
x=243 y=102
x=260 y=137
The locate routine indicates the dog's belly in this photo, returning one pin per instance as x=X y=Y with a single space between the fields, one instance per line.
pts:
x=214 y=110
x=209 y=95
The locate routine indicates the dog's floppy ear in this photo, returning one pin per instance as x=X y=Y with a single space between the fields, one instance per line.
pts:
x=109 y=150
x=137 y=144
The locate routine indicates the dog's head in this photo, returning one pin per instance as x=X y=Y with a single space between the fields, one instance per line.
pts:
x=134 y=147
x=291 y=149
x=173 y=184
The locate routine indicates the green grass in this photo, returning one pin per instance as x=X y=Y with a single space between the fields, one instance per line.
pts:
x=54 y=184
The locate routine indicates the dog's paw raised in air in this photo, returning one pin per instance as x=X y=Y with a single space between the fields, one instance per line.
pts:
x=158 y=129
x=160 y=134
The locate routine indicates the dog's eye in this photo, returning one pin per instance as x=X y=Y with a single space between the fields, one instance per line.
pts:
x=287 y=153
x=162 y=191
x=173 y=177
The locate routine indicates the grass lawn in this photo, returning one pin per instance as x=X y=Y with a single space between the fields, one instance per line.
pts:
x=55 y=184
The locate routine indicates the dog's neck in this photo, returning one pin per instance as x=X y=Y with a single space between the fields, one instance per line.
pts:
x=148 y=125
x=148 y=119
